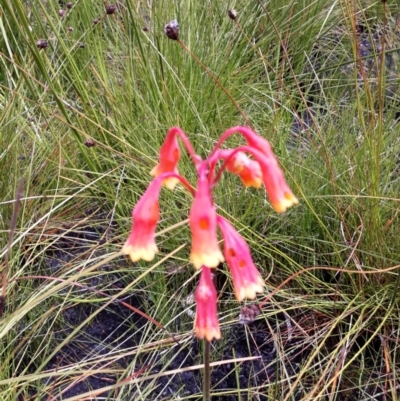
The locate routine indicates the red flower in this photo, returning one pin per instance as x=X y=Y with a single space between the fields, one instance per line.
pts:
x=206 y=323
x=279 y=193
x=169 y=157
x=145 y=216
x=248 y=170
x=203 y=225
x=247 y=280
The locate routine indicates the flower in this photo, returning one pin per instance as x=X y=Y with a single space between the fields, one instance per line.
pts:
x=279 y=193
x=248 y=170
x=145 y=216
x=206 y=323
x=203 y=225
x=246 y=278
x=255 y=164
x=169 y=157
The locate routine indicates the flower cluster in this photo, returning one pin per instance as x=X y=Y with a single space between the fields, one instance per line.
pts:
x=256 y=165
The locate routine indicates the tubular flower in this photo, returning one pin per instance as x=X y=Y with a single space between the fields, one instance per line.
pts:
x=169 y=157
x=248 y=170
x=247 y=280
x=203 y=225
x=279 y=193
x=206 y=323
x=145 y=216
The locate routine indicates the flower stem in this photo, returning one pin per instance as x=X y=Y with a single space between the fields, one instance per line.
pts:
x=244 y=131
x=213 y=158
x=207 y=372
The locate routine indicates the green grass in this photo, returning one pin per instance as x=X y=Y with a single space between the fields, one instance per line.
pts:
x=338 y=250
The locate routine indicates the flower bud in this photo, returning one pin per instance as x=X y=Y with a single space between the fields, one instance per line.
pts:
x=110 y=9
x=232 y=14
x=172 y=30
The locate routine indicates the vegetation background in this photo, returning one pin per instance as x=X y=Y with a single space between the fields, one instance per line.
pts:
x=86 y=99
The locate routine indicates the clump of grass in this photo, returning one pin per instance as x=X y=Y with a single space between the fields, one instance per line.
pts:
x=333 y=323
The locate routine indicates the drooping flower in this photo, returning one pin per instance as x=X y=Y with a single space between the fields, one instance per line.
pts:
x=203 y=225
x=279 y=192
x=169 y=157
x=246 y=278
x=206 y=323
x=255 y=164
x=239 y=163
x=145 y=216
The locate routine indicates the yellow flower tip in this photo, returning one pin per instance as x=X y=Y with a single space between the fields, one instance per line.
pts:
x=170 y=183
x=146 y=253
x=250 y=291
x=208 y=334
x=206 y=259
x=154 y=172
x=255 y=183
x=289 y=196
x=285 y=203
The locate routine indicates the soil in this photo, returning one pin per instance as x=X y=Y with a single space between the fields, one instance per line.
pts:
x=111 y=329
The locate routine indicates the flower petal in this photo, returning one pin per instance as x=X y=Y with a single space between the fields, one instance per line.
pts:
x=279 y=193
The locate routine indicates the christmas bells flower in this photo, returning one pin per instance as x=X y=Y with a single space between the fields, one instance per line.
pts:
x=239 y=163
x=255 y=164
x=203 y=225
x=206 y=322
x=247 y=280
x=169 y=157
x=279 y=193
x=141 y=242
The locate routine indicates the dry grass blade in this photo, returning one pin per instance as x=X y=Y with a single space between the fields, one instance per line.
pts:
x=13 y=225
